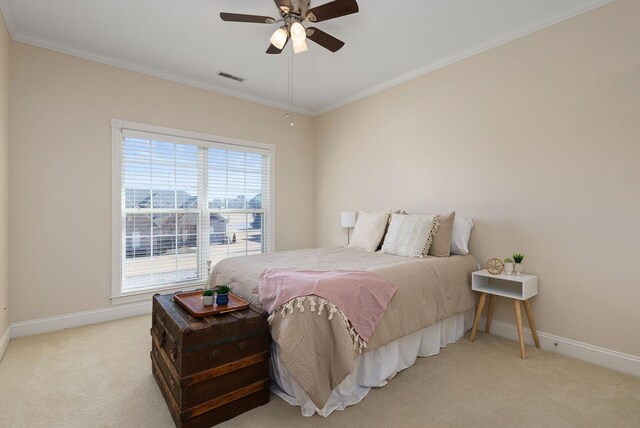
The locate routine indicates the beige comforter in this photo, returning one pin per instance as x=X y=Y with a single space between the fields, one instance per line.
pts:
x=319 y=353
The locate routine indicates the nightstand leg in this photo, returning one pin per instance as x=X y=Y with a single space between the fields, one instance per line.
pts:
x=483 y=297
x=527 y=309
x=516 y=307
x=492 y=301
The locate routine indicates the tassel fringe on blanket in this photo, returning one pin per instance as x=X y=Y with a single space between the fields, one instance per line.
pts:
x=298 y=303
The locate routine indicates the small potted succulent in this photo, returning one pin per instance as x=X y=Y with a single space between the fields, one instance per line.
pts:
x=207 y=297
x=517 y=258
x=222 y=295
x=508 y=266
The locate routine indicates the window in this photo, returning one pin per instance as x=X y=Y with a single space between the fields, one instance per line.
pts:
x=181 y=200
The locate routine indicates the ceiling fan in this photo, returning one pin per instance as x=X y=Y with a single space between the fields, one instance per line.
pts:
x=292 y=15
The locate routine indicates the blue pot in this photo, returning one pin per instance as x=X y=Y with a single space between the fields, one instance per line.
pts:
x=222 y=299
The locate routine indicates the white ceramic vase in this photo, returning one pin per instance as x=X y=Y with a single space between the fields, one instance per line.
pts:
x=508 y=268
x=207 y=300
x=518 y=268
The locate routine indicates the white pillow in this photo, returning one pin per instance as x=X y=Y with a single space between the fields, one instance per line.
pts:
x=409 y=235
x=369 y=230
x=460 y=235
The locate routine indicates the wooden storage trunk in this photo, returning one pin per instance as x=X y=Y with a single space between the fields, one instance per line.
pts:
x=209 y=369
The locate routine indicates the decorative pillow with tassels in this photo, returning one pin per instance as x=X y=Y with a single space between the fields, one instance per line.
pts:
x=410 y=235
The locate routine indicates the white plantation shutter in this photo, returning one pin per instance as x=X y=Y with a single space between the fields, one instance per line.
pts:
x=185 y=201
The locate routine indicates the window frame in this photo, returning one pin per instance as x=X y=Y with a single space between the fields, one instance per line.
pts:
x=118 y=126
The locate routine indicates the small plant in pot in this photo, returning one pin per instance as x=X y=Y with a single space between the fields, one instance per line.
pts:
x=207 y=297
x=508 y=266
x=222 y=295
x=517 y=258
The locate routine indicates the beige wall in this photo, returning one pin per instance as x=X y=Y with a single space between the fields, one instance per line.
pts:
x=4 y=176
x=61 y=169
x=538 y=141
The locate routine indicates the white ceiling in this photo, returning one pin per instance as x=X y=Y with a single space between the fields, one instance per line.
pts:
x=387 y=42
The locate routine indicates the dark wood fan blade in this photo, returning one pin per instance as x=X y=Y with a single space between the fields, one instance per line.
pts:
x=323 y=39
x=332 y=10
x=284 y=5
x=238 y=17
x=274 y=50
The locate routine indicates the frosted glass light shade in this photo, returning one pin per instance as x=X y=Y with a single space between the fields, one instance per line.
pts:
x=348 y=219
x=299 y=46
x=279 y=38
x=298 y=33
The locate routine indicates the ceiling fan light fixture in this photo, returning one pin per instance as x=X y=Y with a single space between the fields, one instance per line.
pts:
x=299 y=46
x=291 y=17
x=279 y=38
x=298 y=33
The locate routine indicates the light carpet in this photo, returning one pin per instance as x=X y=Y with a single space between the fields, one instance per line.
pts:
x=100 y=376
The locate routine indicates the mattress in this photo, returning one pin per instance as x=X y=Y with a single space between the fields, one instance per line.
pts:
x=243 y=273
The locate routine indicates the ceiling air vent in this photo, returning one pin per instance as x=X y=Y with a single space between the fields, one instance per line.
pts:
x=230 y=76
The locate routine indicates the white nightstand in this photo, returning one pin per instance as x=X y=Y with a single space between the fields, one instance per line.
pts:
x=516 y=287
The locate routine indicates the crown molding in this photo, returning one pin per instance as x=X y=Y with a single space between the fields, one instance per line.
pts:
x=140 y=68
x=143 y=69
x=16 y=35
x=9 y=19
x=497 y=41
x=5 y=7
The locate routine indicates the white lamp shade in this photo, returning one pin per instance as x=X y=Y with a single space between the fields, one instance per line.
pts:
x=298 y=33
x=348 y=218
x=279 y=38
x=299 y=46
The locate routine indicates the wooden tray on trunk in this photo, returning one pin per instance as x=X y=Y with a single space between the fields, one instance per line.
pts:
x=192 y=302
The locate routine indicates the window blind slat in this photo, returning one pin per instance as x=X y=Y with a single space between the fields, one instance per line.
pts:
x=184 y=202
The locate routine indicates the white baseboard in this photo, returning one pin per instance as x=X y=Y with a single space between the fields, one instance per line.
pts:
x=4 y=341
x=60 y=322
x=614 y=360
x=583 y=351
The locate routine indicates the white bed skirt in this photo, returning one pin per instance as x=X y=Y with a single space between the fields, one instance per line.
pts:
x=374 y=368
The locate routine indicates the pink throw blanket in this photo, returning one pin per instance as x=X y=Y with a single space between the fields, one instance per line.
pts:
x=361 y=296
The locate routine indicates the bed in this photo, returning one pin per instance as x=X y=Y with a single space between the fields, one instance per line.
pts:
x=314 y=362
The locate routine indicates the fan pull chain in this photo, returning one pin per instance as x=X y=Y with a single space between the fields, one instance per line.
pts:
x=289 y=114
